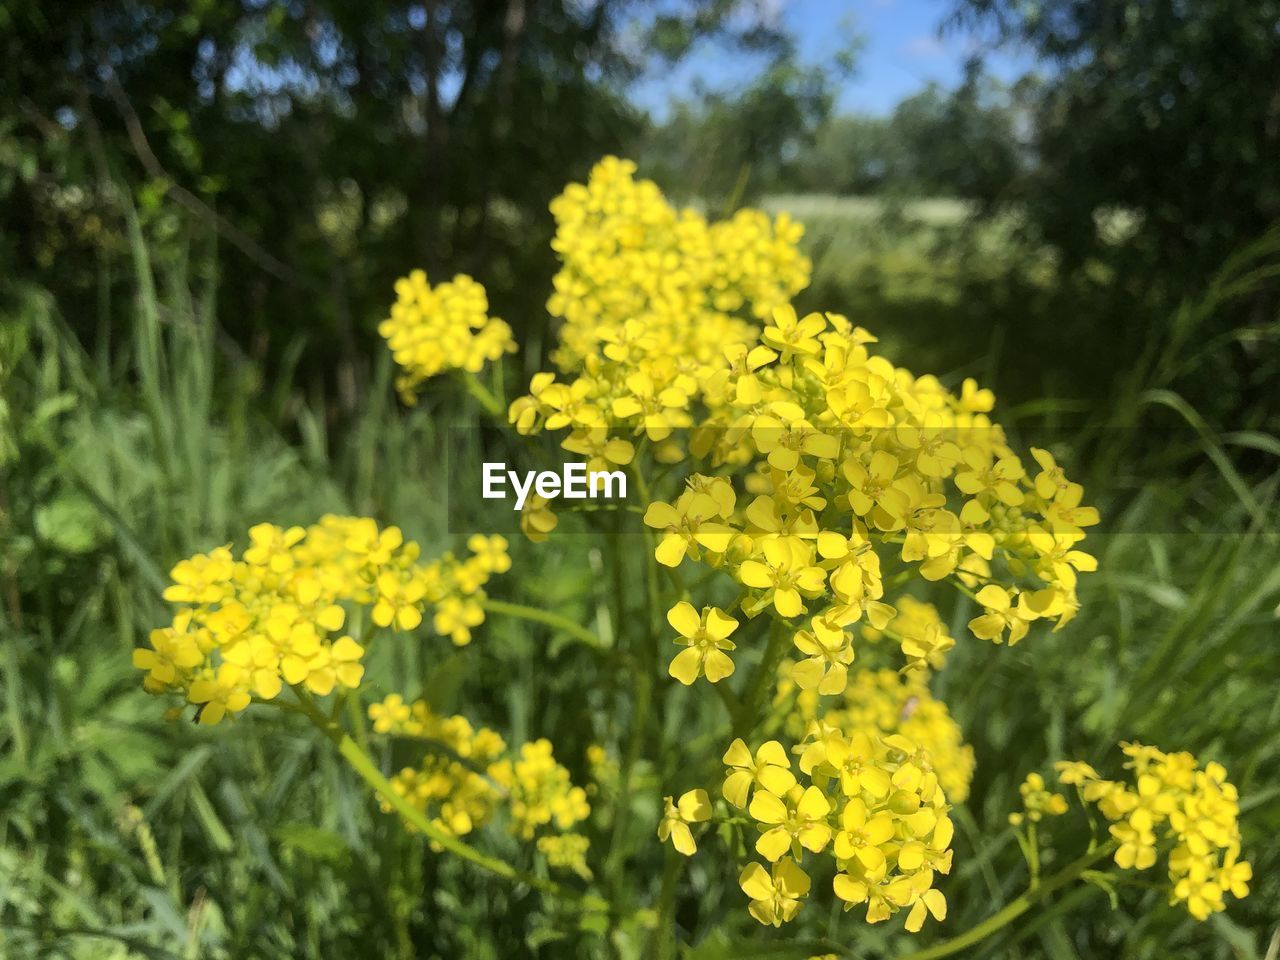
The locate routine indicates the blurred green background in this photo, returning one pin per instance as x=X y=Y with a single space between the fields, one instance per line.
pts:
x=204 y=207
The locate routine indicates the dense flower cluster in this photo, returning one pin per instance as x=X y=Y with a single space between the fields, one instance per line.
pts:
x=818 y=477
x=468 y=775
x=435 y=329
x=871 y=802
x=882 y=702
x=886 y=702
x=247 y=626
x=636 y=272
x=919 y=631
x=842 y=465
x=1172 y=805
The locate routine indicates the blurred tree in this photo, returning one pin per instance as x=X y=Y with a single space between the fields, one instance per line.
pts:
x=851 y=154
x=333 y=145
x=958 y=143
x=1156 y=130
x=723 y=146
x=1170 y=110
x=779 y=134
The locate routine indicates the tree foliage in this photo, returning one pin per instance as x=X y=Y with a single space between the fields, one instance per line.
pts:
x=332 y=145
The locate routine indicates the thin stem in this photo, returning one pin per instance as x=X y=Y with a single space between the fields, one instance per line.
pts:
x=545 y=617
x=753 y=697
x=955 y=582
x=665 y=930
x=1033 y=851
x=1014 y=909
x=646 y=657
x=492 y=405
x=362 y=764
x=731 y=703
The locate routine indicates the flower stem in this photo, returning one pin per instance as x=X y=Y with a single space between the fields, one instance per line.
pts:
x=665 y=929
x=363 y=765
x=546 y=617
x=492 y=405
x=753 y=698
x=1014 y=909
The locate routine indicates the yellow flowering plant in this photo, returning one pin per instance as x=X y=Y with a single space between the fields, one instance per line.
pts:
x=798 y=493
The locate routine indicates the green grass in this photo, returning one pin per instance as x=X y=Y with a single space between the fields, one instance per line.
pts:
x=125 y=836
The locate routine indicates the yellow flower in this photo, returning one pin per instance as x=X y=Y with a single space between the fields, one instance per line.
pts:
x=333 y=664
x=201 y=579
x=260 y=661
x=786 y=571
x=490 y=552
x=1075 y=772
x=1038 y=801
x=862 y=835
x=692 y=522
x=222 y=692
x=828 y=652
x=790 y=335
x=769 y=770
x=173 y=654
x=789 y=824
x=391 y=715
x=776 y=894
x=1000 y=615
x=932 y=901
x=706 y=637
x=537 y=519
x=659 y=410
x=398 y=600
x=693 y=807
x=784 y=435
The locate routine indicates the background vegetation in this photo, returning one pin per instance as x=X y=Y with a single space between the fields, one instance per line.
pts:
x=203 y=212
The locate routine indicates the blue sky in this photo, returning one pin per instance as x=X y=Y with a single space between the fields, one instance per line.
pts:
x=902 y=51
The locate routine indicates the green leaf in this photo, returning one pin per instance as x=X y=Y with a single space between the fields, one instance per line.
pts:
x=70 y=523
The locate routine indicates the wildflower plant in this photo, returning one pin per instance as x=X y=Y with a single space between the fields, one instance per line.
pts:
x=799 y=493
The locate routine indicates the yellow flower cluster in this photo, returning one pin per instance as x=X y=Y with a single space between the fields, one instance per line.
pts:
x=469 y=775
x=919 y=631
x=845 y=464
x=651 y=298
x=819 y=480
x=246 y=626
x=887 y=702
x=1038 y=801
x=636 y=273
x=1172 y=803
x=435 y=329
x=539 y=790
x=872 y=802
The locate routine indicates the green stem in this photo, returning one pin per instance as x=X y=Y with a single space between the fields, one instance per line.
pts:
x=643 y=651
x=665 y=930
x=1014 y=909
x=1033 y=852
x=363 y=765
x=753 y=698
x=955 y=582
x=492 y=405
x=545 y=617
x=731 y=703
